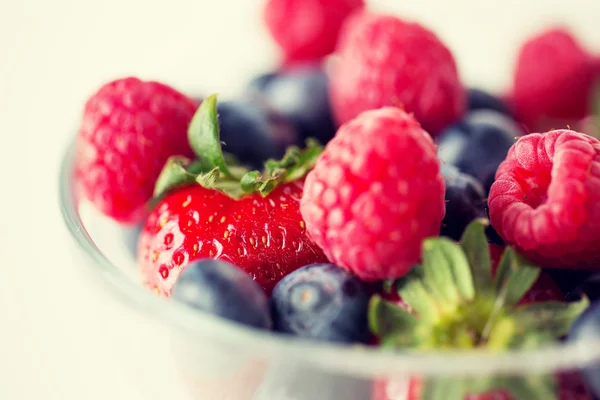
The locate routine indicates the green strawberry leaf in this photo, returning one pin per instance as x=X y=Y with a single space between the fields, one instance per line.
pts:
x=531 y=387
x=515 y=276
x=553 y=317
x=444 y=389
x=174 y=174
x=438 y=276
x=447 y=274
x=204 y=136
x=412 y=290
x=387 y=320
x=216 y=170
x=474 y=244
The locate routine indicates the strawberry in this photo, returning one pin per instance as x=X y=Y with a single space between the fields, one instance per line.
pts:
x=207 y=208
x=457 y=299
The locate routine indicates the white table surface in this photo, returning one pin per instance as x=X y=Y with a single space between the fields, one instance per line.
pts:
x=56 y=326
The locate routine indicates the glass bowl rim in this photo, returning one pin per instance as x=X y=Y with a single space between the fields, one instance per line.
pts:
x=360 y=361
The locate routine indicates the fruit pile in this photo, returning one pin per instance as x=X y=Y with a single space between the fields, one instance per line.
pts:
x=346 y=196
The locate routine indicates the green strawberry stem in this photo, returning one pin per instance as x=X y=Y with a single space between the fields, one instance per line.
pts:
x=216 y=170
x=455 y=303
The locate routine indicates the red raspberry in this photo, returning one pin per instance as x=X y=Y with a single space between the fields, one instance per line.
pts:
x=375 y=193
x=385 y=61
x=307 y=29
x=554 y=81
x=545 y=198
x=129 y=129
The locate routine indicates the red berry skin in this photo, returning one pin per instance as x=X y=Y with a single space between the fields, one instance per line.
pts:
x=375 y=193
x=307 y=29
x=129 y=129
x=265 y=237
x=553 y=81
x=545 y=200
x=385 y=61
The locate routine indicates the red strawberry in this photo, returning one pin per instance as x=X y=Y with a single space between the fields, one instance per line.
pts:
x=254 y=224
x=450 y=301
x=385 y=61
x=374 y=195
x=307 y=29
x=129 y=129
x=554 y=81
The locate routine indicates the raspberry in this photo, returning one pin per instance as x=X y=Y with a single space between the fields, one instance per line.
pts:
x=385 y=61
x=553 y=81
x=307 y=29
x=546 y=196
x=129 y=129
x=375 y=193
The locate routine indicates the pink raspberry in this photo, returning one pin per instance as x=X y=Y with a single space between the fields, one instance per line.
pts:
x=385 y=61
x=554 y=81
x=375 y=193
x=129 y=129
x=307 y=29
x=546 y=198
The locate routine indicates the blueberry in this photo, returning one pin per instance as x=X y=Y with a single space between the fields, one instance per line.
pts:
x=252 y=133
x=300 y=94
x=481 y=100
x=322 y=302
x=131 y=236
x=587 y=328
x=464 y=201
x=588 y=284
x=256 y=86
x=492 y=236
x=478 y=144
x=220 y=288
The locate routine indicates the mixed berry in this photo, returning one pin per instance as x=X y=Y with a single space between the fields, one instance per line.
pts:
x=360 y=193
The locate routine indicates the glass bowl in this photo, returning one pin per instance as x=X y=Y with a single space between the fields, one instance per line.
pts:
x=220 y=360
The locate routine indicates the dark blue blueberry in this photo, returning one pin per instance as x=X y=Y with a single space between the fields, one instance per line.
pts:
x=300 y=94
x=478 y=144
x=464 y=201
x=131 y=236
x=587 y=328
x=322 y=302
x=256 y=86
x=252 y=133
x=581 y=283
x=220 y=288
x=481 y=100
x=492 y=236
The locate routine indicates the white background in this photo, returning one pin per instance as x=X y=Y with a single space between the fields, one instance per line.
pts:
x=61 y=336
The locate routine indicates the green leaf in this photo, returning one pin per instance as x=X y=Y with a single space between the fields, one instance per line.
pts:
x=531 y=387
x=412 y=290
x=459 y=265
x=552 y=317
x=216 y=170
x=515 y=276
x=522 y=275
x=386 y=319
x=474 y=244
x=444 y=389
x=203 y=136
x=447 y=273
x=305 y=161
x=174 y=174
